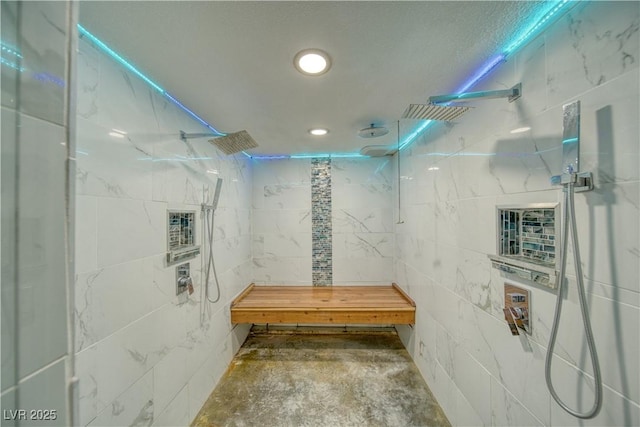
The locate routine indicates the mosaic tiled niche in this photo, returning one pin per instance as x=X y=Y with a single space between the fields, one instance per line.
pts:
x=322 y=268
x=529 y=234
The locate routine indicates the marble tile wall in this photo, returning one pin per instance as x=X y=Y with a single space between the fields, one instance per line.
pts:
x=361 y=221
x=362 y=204
x=35 y=259
x=281 y=215
x=459 y=172
x=143 y=354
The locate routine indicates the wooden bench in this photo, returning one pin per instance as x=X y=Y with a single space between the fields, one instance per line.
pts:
x=372 y=305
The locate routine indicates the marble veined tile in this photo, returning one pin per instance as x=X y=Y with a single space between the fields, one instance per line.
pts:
x=355 y=171
x=176 y=413
x=169 y=378
x=282 y=221
x=530 y=64
x=282 y=171
x=592 y=44
x=86 y=234
x=609 y=234
x=577 y=391
x=363 y=220
x=609 y=130
x=130 y=229
x=363 y=270
x=128 y=286
x=361 y=195
x=85 y=369
x=287 y=244
x=41 y=259
x=612 y=321
x=363 y=245
x=127 y=356
x=42 y=44
x=188 y=172
x=133 y=407
x=286 y=196
x=98 y=149
x=282 y=270
x=509 y=411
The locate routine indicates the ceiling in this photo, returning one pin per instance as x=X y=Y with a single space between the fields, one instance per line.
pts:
x=232 y=62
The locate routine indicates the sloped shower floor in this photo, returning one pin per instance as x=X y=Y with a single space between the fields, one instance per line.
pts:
x=326 y=379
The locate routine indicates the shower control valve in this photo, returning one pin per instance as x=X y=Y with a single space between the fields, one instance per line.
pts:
x=184 y=283
x=516 y=309
x=183 y=279
x=582 y=181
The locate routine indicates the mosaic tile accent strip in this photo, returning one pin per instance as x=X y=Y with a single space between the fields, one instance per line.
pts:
x=321 y=264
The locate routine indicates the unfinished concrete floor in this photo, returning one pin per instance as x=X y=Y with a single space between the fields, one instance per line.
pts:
x=327 y=379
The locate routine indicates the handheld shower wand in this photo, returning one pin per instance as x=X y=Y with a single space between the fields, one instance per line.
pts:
x=572 y=181
x=209 y=217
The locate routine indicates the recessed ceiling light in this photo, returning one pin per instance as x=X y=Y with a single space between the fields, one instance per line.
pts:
x=312 y=62
x=318 y=132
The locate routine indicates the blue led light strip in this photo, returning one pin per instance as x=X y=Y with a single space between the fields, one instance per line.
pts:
x=528 y=33
x=10 y=50
x=308 y=156
x=151 y=83
x=324 y=155
x=11 y=64
x=532 y=29
x=489 y=66
x=486 y=69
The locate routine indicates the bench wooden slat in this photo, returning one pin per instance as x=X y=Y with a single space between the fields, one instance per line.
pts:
x=327 y=304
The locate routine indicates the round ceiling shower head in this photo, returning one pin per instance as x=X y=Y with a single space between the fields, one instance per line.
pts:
x=373 y=131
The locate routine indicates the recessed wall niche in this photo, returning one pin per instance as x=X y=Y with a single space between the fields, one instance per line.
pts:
x=526 y=242
x=181 y=232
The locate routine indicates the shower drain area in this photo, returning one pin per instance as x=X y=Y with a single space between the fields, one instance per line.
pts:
x=322 y=379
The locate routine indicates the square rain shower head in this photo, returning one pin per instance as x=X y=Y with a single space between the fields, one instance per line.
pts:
x=434 y=112
x=234 y=142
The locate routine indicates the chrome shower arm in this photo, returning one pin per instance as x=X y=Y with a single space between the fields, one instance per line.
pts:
x=184 y=135
x=512 y=94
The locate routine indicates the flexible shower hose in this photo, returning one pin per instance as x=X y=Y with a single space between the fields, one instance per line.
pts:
x=570 y=217
x=210 y=262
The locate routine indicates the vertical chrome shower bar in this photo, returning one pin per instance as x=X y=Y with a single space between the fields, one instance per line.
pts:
x=583 y=181
x=571 y=138
x=400 y=220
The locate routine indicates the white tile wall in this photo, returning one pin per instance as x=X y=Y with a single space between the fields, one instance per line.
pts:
x=36 y=255
x=362 y=221
x=42 y=40
x=159 y=357
x=478 y=371
x=142 y=350
x=281 y=218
